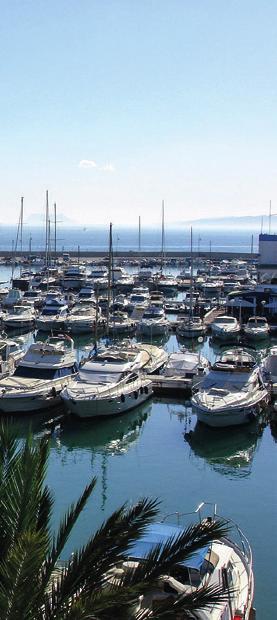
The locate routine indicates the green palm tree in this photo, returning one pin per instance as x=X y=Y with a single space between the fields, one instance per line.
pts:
x=33 y=587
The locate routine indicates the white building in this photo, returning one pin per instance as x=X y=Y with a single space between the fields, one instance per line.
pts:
x=267 y=262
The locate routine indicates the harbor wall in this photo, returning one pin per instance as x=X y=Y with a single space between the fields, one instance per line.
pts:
x=135 y=255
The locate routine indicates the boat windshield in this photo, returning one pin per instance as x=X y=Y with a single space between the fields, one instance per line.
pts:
x=30 y=372
x=225 y=320
x=227 y=381
x=137 y=298
x=257 y=322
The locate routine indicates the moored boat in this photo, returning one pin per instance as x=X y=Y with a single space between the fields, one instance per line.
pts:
x=256 y=328
x=226 y=564
x=39 y=377
x=225 y=328
x=232 y=393
x=108 y=384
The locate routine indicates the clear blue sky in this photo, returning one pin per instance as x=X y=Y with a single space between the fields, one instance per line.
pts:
x=114 y=105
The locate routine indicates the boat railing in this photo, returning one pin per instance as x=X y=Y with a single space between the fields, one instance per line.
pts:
x=240 y=542
x=116 y=390
x=198 y=511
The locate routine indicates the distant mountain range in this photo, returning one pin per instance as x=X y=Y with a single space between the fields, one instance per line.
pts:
x=253 y=222
x=247 y=222
x=38 y=219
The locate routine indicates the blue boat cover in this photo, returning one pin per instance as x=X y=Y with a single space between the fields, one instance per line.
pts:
x=160 y=533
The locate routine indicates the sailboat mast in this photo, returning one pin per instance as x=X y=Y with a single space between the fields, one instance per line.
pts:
x=162 y=253
x=269 y=218
x=55 y=230
x=46 y=229
x=139 y=235
x=21 y=225
x=109 y=276
x=191 y=275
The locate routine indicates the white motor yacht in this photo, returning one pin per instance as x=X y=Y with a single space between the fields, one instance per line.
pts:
x=11 y=352
x=121 y=324
x=153 y=321
x=190 y=327
x=256 y=328
x=108 y=384
x=139 y=297
x=82 y=320
x=39 y=377
x=225 y=328
x=87 y=295
x=225 y=563
x=74 y=277
x=14 y=297
x=53 y=315
x=19 y=317
x=232 y=393
x=269 y=370
x=153 y=359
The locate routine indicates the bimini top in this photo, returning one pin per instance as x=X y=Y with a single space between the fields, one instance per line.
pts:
x=160 y=533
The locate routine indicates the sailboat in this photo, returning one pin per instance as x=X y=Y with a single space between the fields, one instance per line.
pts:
x=191 y=326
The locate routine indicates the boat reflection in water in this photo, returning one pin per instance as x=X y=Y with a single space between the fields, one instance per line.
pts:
x=228 y=453
x=113 y=435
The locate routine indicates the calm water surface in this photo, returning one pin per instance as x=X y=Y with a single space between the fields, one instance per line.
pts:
x=151 y=451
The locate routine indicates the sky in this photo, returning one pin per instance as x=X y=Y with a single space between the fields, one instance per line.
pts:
x=116 y=105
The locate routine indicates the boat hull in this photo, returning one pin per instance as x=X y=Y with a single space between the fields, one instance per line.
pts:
x=233 y=416
x=32 y=401
x=109 y=406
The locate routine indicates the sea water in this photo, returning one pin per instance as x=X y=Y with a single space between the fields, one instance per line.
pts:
x=125 y=239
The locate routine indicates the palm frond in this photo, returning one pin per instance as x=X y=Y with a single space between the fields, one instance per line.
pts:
x=64 y=531
x=177 y=549
x=19 y=574
x=88 y=567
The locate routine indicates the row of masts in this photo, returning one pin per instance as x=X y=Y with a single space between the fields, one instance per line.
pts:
x=49 y=250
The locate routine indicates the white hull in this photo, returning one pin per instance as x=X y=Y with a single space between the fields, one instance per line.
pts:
x=233 y=415
x=153 y=329
x=187 y=332
x=50 y=324
x=73 y=283
x=222 y=334
x=108 y=405
x=255 y=334
x=29 y=401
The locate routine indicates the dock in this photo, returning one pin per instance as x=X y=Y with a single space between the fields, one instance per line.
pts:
x=212 y=315
x=171 y=385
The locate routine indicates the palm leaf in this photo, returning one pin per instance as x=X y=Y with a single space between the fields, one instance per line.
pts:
x=19 y=574
x=88 y=568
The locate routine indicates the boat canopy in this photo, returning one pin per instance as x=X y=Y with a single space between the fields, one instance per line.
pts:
x=161 y=533
x=222 y=379
x=182 y=362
